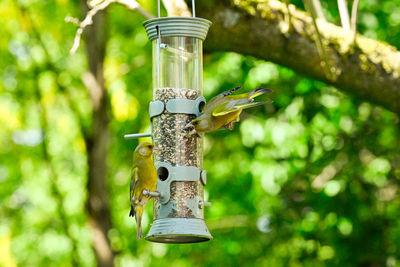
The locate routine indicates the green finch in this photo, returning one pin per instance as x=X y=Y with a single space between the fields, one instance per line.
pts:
x=144 y=176
x=224 y=109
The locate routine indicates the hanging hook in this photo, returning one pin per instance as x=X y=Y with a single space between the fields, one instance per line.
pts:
x=159 y=37
x=158 y=33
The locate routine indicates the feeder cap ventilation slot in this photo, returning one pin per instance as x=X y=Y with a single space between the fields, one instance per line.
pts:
x=178 y=26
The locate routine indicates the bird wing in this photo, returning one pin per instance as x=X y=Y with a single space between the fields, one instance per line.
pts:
x=227 y=106
x=218 y=100
x=250 y=105
x=134 y=180
x=250 y=95
x=234 y=106
x=222 y=110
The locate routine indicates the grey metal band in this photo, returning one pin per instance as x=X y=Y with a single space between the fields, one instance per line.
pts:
x=175 y=173
x=177 y=105
x=185 y=106
x=156 y=108
x=177 y=26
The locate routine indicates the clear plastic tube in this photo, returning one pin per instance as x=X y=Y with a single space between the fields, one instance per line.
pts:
x=177 y=73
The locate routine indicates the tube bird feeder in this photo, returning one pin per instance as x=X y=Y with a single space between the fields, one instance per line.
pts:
x=177 y=99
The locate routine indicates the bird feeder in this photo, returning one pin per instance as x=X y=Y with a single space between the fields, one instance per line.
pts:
x=177 y=99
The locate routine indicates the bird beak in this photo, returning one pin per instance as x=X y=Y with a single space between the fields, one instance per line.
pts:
x=188 y=126
x=155 y=149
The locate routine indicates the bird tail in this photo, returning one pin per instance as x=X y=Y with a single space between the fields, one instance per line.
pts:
x=258 y=92
x=139 y=213
x=132 y=212
x=247 y=101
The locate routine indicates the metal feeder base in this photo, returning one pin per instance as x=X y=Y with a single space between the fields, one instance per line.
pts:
x=178 y=231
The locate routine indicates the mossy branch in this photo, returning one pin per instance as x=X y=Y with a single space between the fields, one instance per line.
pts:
x=368 y=69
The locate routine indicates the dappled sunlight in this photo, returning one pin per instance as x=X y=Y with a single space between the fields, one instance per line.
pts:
x=300 y=181
x=124 y=106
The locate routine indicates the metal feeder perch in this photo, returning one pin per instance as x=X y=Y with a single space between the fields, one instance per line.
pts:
x=177 y=99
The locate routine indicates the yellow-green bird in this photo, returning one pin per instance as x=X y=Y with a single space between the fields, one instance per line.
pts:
x=144 y=176
x=224 y=109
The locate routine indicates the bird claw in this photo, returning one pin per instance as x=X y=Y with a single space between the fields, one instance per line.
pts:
x=193 y=132
x=145 y=192
x=191 y=129
x=230 y=126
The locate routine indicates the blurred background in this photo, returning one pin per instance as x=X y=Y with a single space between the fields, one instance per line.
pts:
x=309 y=180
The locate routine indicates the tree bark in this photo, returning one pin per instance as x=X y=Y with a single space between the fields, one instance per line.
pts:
x=97 y=142
x=368 y=69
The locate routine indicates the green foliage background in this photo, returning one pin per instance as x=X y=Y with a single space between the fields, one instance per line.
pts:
x=310 y=180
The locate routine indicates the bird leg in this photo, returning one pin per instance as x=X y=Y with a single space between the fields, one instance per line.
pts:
x=191 y=129
x=193 y=132
x=230 y=126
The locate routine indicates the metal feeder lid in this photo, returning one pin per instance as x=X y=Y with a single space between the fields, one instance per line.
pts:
x=177 y=26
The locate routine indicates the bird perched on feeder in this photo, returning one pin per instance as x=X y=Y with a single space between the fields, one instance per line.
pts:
x=224 y=109
x=144 y=176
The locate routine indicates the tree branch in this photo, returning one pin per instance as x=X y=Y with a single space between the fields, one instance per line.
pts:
x=309 y=5
x=344 y=14
x=97 y=141
x=370 y=69
x=318 y=9
x=96 y=7
x=354 y=10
